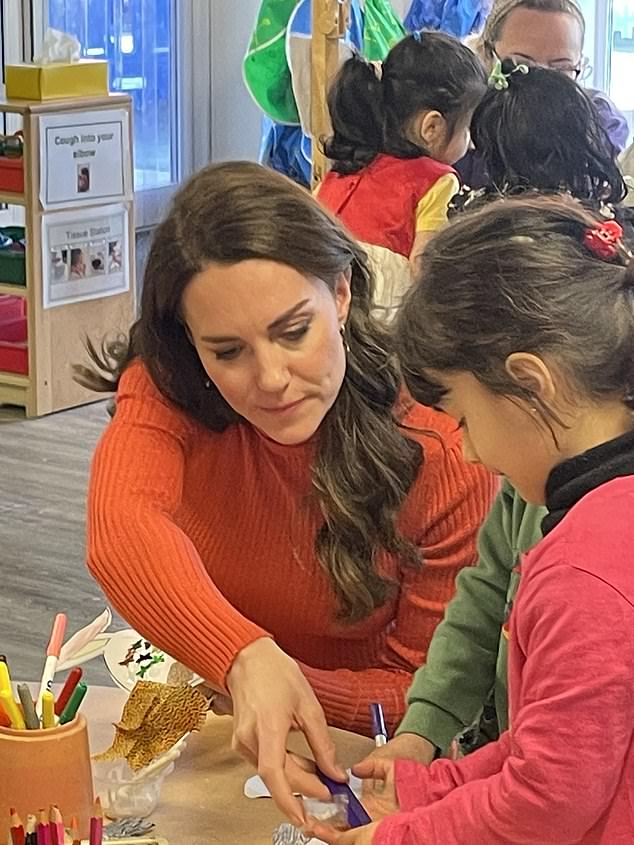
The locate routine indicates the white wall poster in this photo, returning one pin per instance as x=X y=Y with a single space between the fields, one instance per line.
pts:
x=85 y=256
x=84 y=158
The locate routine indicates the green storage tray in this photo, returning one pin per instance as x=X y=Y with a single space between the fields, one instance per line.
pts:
x=13 y=264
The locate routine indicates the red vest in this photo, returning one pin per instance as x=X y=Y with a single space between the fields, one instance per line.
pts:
x=378 y=204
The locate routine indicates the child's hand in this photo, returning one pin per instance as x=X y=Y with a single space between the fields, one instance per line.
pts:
x=405 y=746
x=379 y=790
x=358 y=836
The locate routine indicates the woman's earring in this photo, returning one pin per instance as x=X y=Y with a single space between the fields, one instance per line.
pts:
x=342 y=332
x=208 y=384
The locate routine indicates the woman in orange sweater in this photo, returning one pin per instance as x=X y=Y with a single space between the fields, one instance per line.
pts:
x=257 y=507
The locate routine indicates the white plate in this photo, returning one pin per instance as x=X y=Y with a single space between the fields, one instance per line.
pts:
x=126 y=676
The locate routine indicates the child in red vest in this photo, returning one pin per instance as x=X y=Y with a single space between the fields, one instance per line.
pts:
x=397 y=129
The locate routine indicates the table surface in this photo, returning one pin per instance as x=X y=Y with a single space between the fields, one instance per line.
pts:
x=202 y=801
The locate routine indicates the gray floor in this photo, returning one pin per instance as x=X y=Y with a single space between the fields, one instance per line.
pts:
x=43 y=477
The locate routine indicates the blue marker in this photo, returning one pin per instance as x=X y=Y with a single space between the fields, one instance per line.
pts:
x=379 y=731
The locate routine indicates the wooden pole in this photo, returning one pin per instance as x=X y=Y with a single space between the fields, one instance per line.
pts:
x=330 y=20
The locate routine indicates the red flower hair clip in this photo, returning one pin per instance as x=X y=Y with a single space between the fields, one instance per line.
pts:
x=604 y=240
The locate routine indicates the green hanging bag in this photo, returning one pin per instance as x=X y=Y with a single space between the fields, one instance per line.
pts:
x=265 y=68
x=382 y=29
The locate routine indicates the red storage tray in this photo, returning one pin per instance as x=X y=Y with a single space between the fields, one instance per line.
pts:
x=12 y=175
x=11 y=307
x=14 y=357
x=14 y=353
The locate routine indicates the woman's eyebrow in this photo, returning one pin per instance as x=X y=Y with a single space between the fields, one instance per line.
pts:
x=283 y=318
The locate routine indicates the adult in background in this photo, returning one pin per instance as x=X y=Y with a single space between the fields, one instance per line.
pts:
x=548 y=33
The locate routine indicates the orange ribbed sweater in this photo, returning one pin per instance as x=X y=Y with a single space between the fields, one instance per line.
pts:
x=204 y=541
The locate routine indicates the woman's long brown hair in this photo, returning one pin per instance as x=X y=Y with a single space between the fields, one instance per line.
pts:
x=364 y=466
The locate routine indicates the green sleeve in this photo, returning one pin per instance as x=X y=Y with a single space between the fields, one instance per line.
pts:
x=449 y=691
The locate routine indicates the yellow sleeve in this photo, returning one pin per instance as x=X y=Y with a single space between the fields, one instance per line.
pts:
x=431 y=211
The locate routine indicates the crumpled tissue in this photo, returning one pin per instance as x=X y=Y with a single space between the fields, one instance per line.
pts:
x=58 y=47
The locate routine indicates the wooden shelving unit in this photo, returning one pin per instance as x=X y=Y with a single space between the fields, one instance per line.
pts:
x=329 y=22
x=56 y=335
x=9 y=198
x=13 y=290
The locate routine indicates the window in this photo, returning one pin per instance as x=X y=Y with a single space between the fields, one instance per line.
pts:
x=137 y=37
x=152 y=47
x=610 y=49
x=620 y=57
x=168 y=55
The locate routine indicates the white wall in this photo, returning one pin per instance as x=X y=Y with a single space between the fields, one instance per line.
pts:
x=401 y=7
x=235 y=119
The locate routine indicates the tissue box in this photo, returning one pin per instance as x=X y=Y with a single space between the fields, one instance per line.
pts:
x=86 y=78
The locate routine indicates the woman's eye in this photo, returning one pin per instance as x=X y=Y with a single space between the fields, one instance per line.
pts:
x=227 y=354
x=296 y=334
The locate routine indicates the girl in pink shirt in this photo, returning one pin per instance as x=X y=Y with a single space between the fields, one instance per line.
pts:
x=521 y=328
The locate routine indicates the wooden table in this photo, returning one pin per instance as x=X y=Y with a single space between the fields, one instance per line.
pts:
x=202 y=801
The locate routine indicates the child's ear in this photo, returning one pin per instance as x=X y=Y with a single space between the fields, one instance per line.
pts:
x=533 y=374
x=432 y=129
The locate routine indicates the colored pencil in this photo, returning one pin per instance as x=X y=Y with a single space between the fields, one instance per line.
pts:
x=5 y=684
x=12 y=710
x=43 y=829
x=70 y=711
x=5 y=677
x=52 y=656
x=74 y=677
x=17 y=828
x=57 y=825
x=5 y=722
x=74 y=831
x=96 y=824
x=48 y=709
x=31 y=835
x=28 y=708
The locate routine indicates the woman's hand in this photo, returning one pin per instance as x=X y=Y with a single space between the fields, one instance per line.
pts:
x=270 y=697
x=221 y=704
x=405 y=746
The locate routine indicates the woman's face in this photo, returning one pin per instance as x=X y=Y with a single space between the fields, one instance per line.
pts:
x=548 y=39
x=269 y=339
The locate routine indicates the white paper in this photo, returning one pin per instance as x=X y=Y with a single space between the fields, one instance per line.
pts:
x=255 y=787
x=84 y=158
x=80 y=639
x=85 y=255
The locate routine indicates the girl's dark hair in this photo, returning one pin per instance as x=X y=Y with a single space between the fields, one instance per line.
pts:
x=364 y=466
x=515 y=276
x=544 y=132
x=374 y=112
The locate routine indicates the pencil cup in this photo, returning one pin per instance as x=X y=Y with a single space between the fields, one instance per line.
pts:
x=45 y=767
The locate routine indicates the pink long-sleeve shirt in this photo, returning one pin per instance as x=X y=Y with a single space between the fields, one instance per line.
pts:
x=564 y=773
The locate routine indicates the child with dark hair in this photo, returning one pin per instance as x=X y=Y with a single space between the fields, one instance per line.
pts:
x=535 y=128
x=397 y=130
x=521 y=328
x=548 y=33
